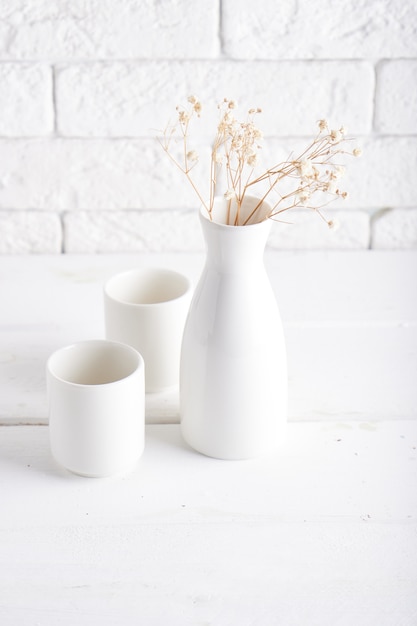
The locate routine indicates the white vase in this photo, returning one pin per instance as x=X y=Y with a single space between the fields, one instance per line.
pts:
x=233 y=375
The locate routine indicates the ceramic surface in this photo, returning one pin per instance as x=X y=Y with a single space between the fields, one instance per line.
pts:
x=233 y=383
x=146 y=308
x=96 y=407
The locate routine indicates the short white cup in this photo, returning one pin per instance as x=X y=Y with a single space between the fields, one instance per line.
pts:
x=147 y=308
x=96 y=396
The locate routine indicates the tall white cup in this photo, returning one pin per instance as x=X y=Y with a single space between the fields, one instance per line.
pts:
x=147 y=308
x=96 y=400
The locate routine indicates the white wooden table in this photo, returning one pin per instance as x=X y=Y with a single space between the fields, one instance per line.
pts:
x=324 y=533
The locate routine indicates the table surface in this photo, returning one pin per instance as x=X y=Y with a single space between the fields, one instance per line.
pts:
x=322 y=533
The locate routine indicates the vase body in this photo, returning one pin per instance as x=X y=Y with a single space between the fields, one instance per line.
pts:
x=233 y=375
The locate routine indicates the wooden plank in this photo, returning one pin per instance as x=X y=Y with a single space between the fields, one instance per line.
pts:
x=350 y=321
x=322 y=533
x=334 y=373
x=346 y=287
x=348 y=373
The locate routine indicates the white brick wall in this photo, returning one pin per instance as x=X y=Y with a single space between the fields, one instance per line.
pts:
x=147 y=92
x=25 y=100
x=30 y=231
x=85 y=83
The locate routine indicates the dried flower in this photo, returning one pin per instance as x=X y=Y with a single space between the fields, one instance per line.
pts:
x=306 y=169
x=303 y=197
x=336 y=136
x=196 y=104
x=337 y=172
x=235 y=151
x=342 y=194
x=333 y=224
x=183 y=117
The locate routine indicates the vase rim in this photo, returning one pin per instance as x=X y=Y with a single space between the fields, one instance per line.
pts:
x=204 y=214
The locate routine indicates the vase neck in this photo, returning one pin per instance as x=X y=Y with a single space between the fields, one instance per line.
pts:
x=235 y=248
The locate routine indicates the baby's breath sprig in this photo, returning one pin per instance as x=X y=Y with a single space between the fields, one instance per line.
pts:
x=236 y=148
x=189 y=157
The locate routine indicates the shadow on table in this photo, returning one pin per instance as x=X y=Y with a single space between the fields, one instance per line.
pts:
x=27 y=449
x=167 y=437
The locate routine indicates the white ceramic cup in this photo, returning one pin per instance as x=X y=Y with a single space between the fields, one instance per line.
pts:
x=147 y=308
x=96 y=400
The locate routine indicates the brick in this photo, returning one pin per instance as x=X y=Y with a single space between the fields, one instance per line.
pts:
x=80 y=174
x=396 y=97
x=292 y=30
x=23 y=232
x=132 y=231
x=395 y=229
x=179 y=231
x=131 y=100
x=107 y=29
x=90 y=174
x=384 y=176
x=25 y=100
x=307 y=231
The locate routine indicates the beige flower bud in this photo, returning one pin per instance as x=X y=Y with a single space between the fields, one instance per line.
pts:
x=333 y=224
x=336 y=136
x=303 y=197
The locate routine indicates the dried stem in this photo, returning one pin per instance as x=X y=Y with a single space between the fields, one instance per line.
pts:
x=237 y=144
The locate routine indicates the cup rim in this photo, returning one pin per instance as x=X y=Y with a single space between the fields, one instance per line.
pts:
x=147 y=271
x=140 y=363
